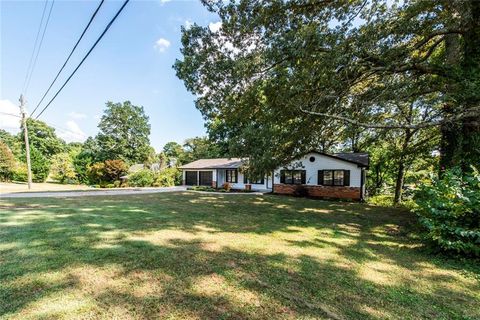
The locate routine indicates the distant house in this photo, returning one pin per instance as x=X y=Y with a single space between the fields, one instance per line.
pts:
x=316 y=174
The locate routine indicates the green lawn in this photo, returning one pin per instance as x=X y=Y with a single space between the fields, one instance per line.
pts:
x=197 y=256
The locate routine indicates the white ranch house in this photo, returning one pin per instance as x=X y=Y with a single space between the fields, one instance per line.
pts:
x=316 y=174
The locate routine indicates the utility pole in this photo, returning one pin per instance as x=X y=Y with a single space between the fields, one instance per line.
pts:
x=27 y=144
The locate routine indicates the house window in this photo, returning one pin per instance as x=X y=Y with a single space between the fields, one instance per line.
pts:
x=259 y=180
x=334 y=177
x=231 y=176
x=292 y=176
x=312 y=159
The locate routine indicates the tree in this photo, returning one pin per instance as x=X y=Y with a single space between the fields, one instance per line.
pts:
x=12 y=142
x=40 y=165
x=62 y=168
x=124 y=133
x=114 y=169
x=85 y=158
x=43 y=138
x=7 y=162
x=275 y=77
x=173 y=150
x=200 y=148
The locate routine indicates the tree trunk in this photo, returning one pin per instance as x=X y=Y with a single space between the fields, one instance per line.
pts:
x=450 y=147
x=471 y=70
x=399 y=183
x=460 y=144
x=401 y=165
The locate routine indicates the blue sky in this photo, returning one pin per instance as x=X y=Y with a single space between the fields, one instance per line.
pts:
x=132 y=62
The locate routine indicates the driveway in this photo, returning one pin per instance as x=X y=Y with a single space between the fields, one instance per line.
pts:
x=95 y=192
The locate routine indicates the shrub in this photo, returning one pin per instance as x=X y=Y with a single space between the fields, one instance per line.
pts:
x=168 y=177
x=117 y=183
x=96 y=173
x=20 y=173
x=449 y=210
x=300 y=191
x=39 y=164
x=7 y=162
x=201 y=188
x=114 y=169
x=226 y=186
x=82 y=163
x=141 y=178
x=62 y=168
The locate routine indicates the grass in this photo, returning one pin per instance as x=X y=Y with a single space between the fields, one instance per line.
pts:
x=196 y=256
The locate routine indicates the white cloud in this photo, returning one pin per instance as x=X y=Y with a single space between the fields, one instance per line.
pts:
x=215 y=26
x=162 y=2
x=161 y=44
x=77 y=115
x=72 y=132
x=9 y=116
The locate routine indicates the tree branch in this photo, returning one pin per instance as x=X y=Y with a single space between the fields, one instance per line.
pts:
x=468 y=113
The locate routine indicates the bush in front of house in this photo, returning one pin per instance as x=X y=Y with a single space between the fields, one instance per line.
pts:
x=168 y=177
x=141 y=178
x=449 y=210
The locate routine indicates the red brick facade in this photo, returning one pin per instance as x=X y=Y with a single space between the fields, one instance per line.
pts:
x=319 y=191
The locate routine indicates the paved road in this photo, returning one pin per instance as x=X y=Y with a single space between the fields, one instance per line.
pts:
x=99 y=192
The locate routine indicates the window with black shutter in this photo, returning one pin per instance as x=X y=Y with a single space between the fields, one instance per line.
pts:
x=231 y=176
x=293 y=176
x=334 y=177
x=259 y=180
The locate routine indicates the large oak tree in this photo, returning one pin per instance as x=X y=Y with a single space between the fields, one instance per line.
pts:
x=280 y=77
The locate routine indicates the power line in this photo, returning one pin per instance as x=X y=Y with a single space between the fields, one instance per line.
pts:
x=39 y=47
x=10 y=114
x=50 y=124
x=68 y=58
x=34 y=46
x=84 y=58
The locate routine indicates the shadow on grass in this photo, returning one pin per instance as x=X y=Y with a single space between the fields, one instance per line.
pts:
x=186 y=277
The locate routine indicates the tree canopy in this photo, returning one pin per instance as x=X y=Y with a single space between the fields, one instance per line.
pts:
x=124 y=133
x=281 y=77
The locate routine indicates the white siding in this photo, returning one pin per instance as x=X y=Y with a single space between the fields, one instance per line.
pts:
x=322 y=162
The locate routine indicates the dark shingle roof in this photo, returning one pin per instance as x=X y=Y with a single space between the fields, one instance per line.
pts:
x=220 y=163
x=357 y=157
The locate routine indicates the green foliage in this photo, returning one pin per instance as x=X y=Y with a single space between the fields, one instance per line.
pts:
x=114 y=169
x=20 y=173
x=62 y=168
x=124 y=133
x=96 y=173
x=277 y=80
x=43 y=138
x=13 y=142
x=40 y=165
x=173 y=150
x=141 y=178
x=168 y=177
x=7 y=162
x=449 y=209
x=200 y=148
x=202 y=188
x=85 y=158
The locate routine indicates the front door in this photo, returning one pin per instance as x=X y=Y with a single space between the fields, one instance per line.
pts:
x=206 y=178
